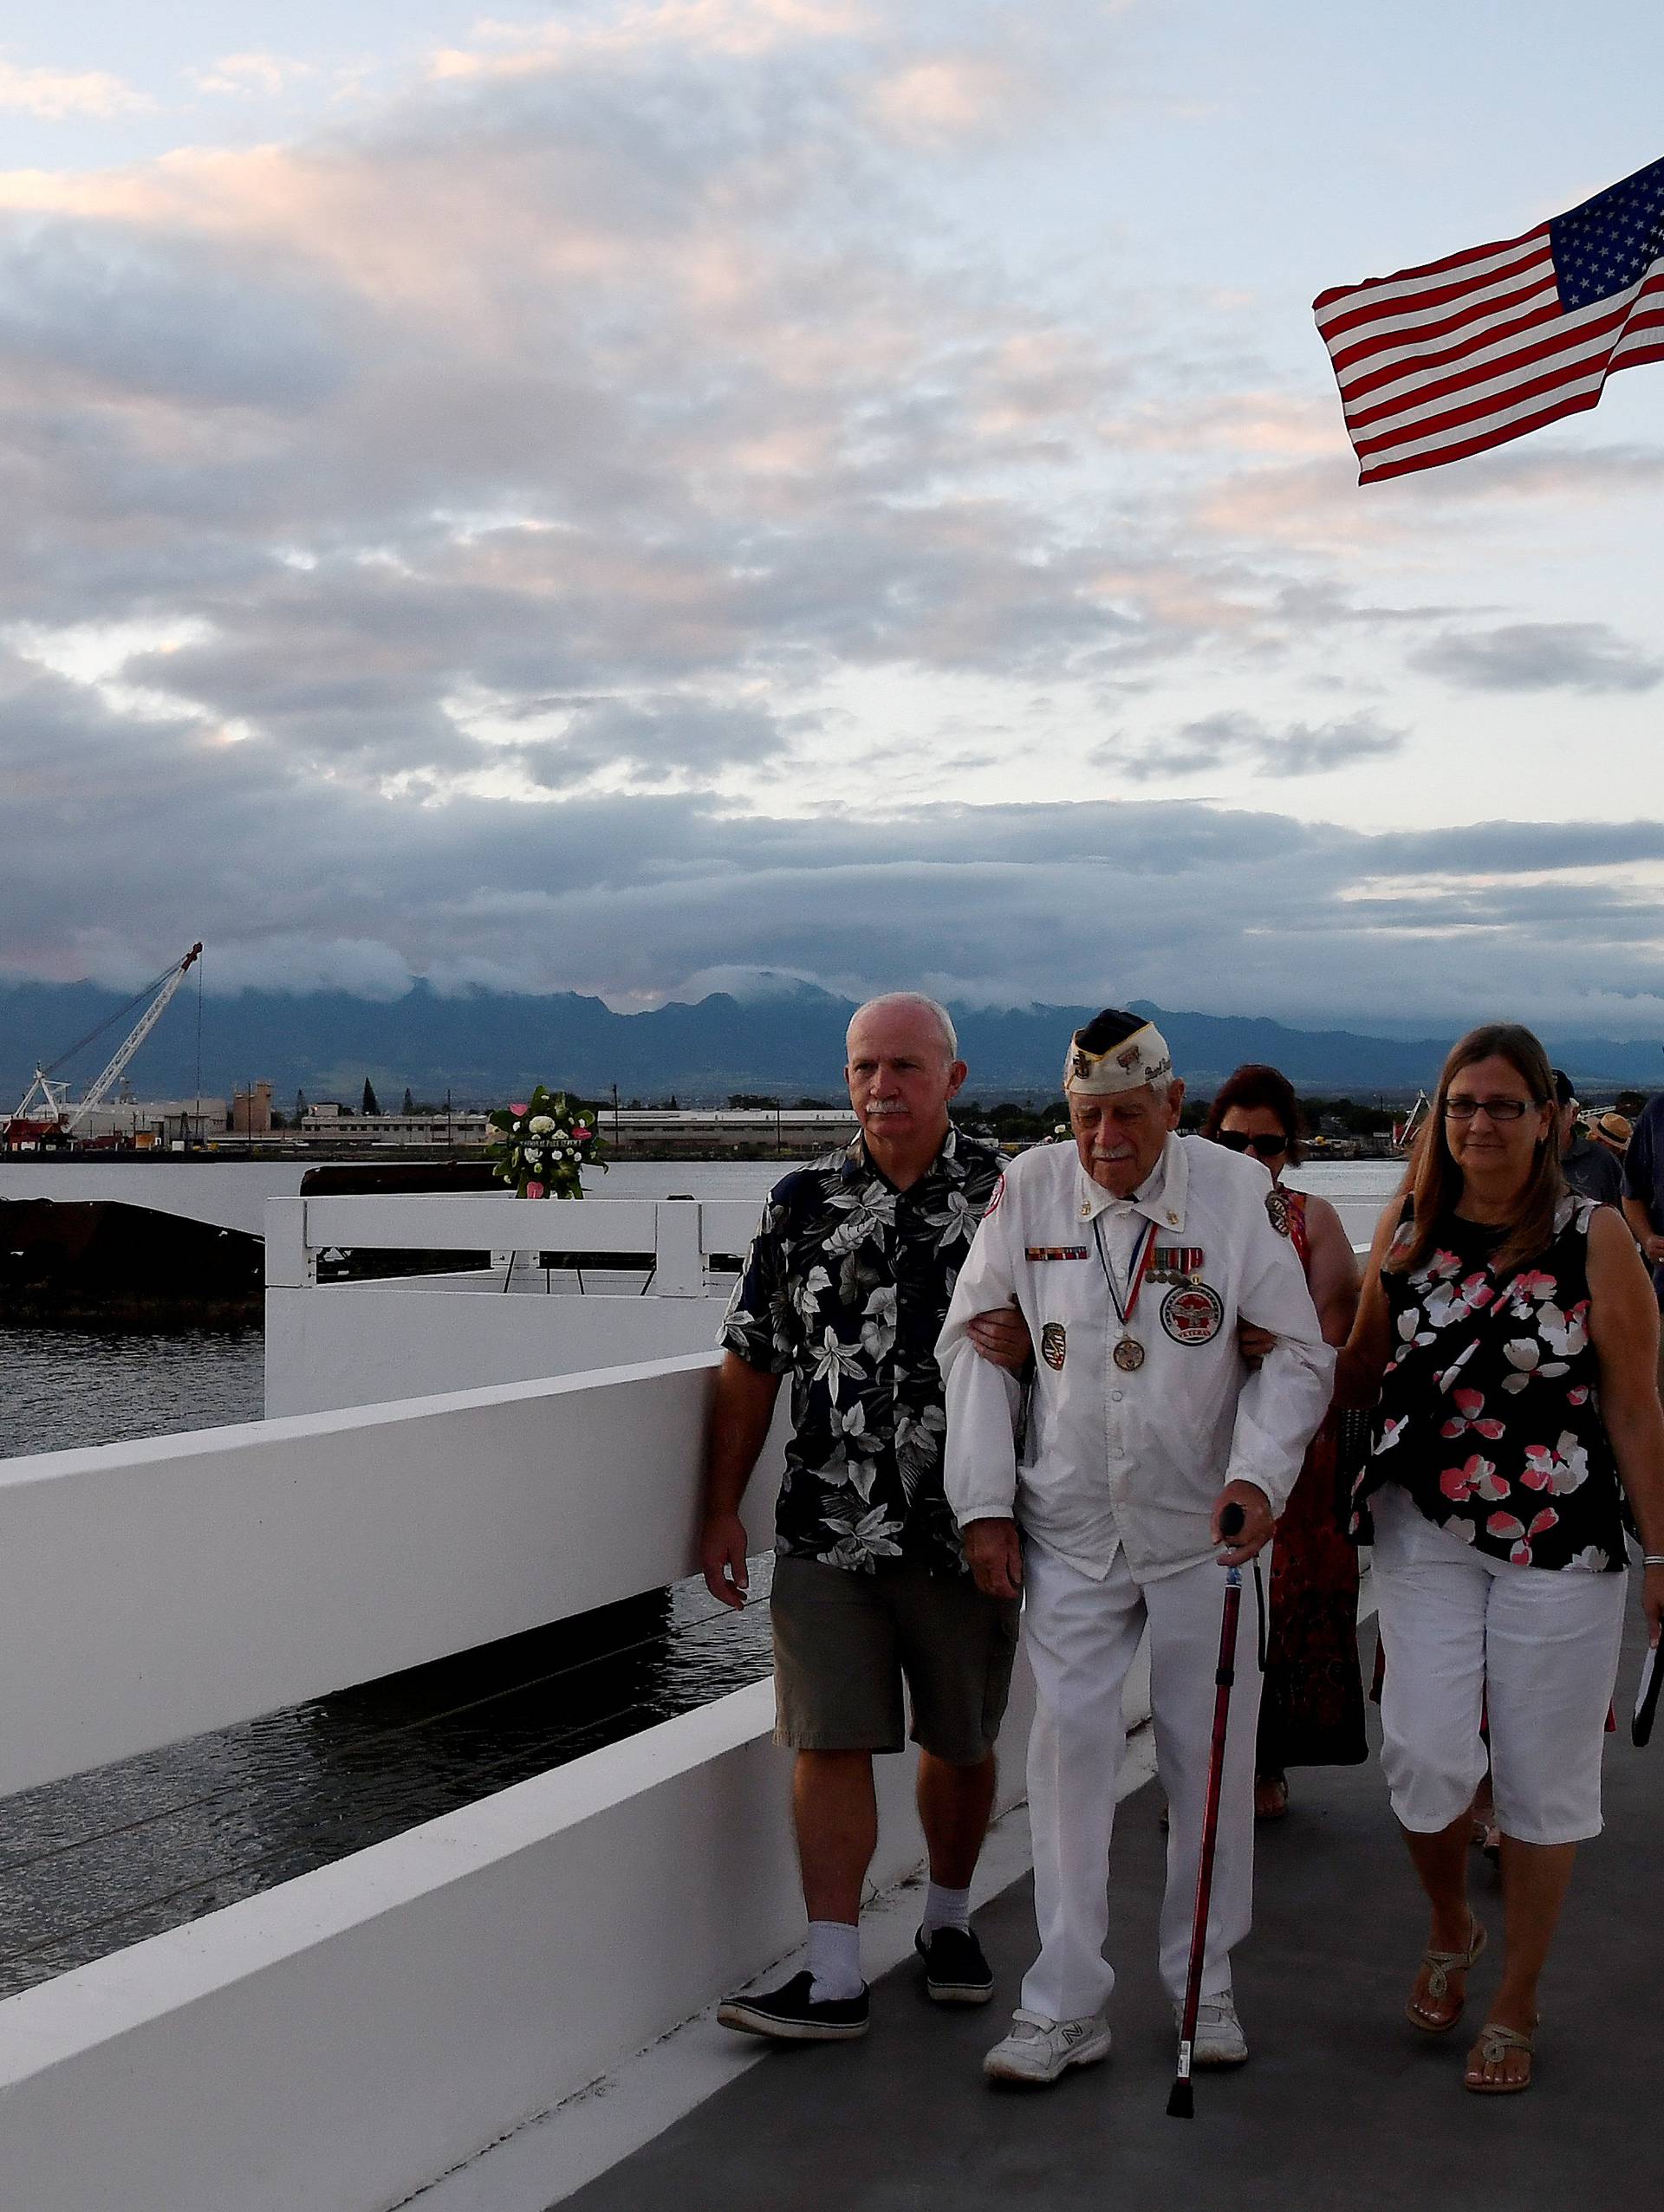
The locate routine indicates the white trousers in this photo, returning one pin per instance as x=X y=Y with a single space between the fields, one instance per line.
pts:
x=1466 y=1635
x=1082 y=1635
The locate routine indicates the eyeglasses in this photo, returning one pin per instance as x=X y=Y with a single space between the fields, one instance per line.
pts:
x=1236 y=1140
x=1460 y=1107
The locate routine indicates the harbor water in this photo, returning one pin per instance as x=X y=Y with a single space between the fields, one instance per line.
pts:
x=62 y=1388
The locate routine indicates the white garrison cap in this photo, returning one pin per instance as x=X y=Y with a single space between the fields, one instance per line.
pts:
x=1115 y=1052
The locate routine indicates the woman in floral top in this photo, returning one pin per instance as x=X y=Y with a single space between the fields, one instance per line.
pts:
x=1510 y=1330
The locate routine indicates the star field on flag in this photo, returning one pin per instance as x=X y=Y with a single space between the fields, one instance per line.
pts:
x=1464 y=354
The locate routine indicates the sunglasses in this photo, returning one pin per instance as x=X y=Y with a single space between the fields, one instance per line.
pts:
x=1267 y=1148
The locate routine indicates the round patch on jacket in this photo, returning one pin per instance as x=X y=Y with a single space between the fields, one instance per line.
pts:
x=1054 y=1344
x=1279 y=1210
x=1193 y=1314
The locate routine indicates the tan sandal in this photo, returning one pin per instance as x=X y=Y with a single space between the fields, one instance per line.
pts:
x=1495 y=2042
x=1271 y=1797
x=1440 y=1965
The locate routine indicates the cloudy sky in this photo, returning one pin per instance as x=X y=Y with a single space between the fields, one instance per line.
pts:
x=627 y=492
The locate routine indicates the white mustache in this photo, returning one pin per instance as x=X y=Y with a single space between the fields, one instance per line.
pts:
x=875 y=1113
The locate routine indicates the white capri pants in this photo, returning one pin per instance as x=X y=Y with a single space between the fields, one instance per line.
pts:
x=1466 y=1636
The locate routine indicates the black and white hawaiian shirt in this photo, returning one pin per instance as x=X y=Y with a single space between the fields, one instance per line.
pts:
x=845 y=1289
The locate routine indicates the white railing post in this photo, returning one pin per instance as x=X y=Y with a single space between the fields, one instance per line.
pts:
x=291 y=1264
x=678 y=1261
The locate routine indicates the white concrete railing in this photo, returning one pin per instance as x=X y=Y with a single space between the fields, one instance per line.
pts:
x=341 y=2041
x=345 y=2038
x=152 y=1590
x=353 y=1343
x=681 y=1234
x=370 y=1343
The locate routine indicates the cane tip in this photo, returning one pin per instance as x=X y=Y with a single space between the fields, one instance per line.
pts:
x=1181 y=2102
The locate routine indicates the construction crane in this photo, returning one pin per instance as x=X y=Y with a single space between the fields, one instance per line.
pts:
x=59 y=1117
x=1405 y=1132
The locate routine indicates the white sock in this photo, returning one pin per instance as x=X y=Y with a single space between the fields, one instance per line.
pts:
x=834 y=1961
x=946 y=1908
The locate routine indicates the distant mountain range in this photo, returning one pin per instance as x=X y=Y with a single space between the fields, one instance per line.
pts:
x=787 y=1042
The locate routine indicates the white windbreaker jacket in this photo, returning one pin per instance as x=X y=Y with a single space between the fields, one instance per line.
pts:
x=1132 y=1457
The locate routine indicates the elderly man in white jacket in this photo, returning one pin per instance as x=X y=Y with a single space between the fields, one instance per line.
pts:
x=1132 y=1255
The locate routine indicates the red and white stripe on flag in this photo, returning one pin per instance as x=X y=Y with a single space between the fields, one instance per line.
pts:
x=1467 y=353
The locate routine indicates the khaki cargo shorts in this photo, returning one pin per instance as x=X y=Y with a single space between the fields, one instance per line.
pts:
x=846 y=1643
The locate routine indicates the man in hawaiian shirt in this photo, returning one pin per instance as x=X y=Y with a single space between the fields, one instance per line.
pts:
x=845 y=1289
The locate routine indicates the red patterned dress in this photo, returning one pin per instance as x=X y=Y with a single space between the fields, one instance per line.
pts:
x=1311 y=1707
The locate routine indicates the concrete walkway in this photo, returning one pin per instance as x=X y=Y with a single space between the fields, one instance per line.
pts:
x=1343 y=2105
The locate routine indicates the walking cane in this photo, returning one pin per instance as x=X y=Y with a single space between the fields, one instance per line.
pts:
x=1181 y=2101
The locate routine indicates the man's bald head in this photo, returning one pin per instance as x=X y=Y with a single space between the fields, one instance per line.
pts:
x=904 y=1003
x=902 y=1067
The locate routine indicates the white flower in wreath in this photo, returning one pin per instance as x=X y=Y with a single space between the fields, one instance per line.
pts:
x=540 y=1124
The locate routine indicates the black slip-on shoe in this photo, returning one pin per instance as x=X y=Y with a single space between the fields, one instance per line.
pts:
x=791 y=2015
x=956 y=1973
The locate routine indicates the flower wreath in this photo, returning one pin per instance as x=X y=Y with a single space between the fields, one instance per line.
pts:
x=542 y=1144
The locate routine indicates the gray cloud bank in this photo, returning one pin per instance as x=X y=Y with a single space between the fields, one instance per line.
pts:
x=1231 y=737
x=297 y=882
x=1586 y=656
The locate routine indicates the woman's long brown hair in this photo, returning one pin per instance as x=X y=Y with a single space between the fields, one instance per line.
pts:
x=1436 y=1180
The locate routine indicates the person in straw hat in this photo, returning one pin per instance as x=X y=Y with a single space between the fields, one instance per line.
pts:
x=1132 y=1255
x=1612 y=1129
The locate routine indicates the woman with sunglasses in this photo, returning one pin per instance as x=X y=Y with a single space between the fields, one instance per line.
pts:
x=1509 y=1328
x=1311 y=1703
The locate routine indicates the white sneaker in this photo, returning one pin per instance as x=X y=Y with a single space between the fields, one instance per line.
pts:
x=1039 y=2050
x=1218 y=2040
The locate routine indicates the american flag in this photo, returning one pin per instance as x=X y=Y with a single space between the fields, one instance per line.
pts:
x=1439 y=362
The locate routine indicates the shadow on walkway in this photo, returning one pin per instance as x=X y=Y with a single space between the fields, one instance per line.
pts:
x=1343 y=2104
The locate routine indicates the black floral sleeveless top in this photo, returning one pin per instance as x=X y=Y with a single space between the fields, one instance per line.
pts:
x=1490 y=1408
